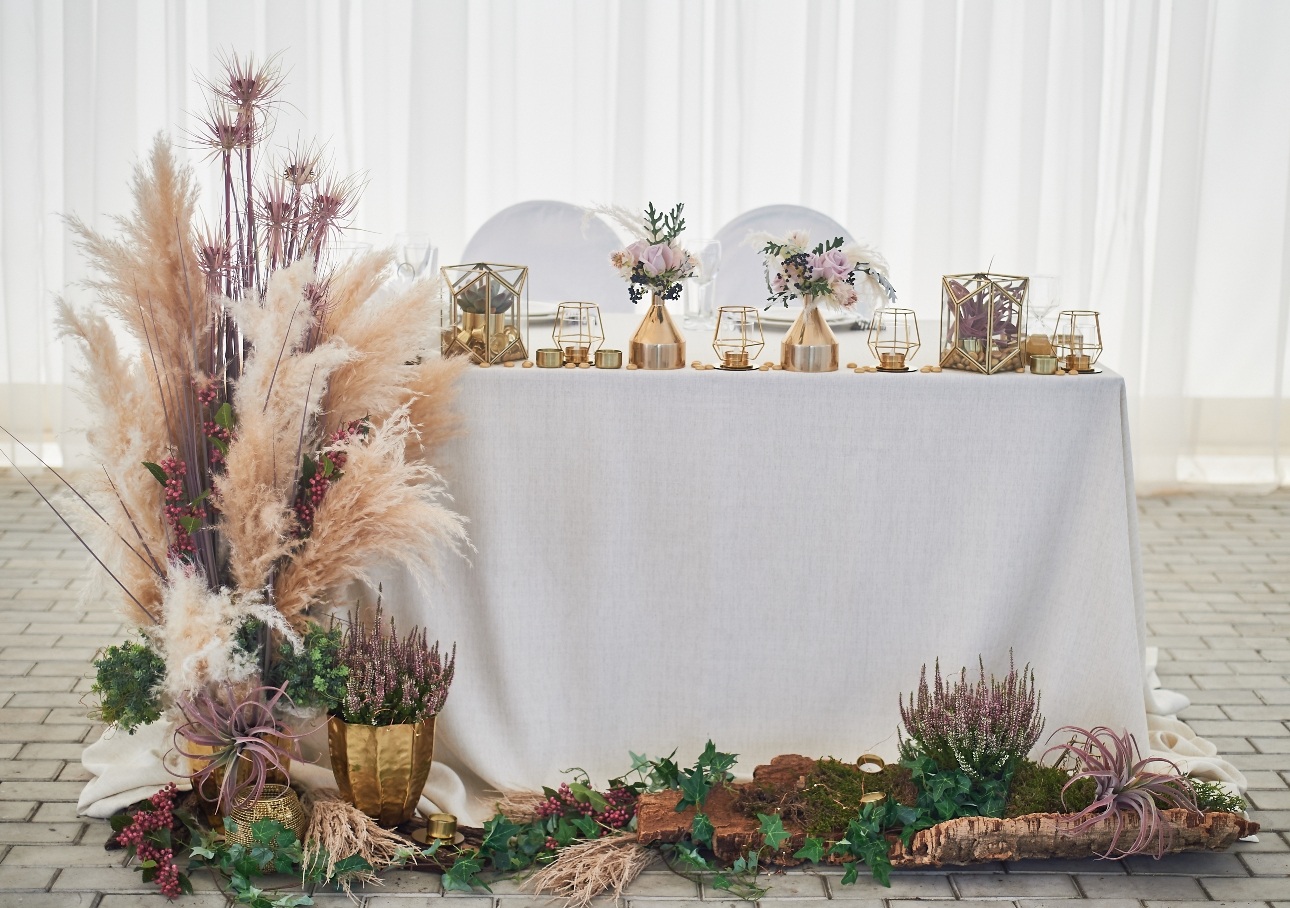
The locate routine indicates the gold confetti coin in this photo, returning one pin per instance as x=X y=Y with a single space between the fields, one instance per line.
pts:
x=485 y=364
x=509 y=365
x=936 y=368
x=528 y=364
x=925 y=369
x=851 y=365
x=570 y=366
x=584 y=365
x=696 y=364
x=631 y=366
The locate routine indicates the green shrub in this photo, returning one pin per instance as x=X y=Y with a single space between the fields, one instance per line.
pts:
x=127 y=680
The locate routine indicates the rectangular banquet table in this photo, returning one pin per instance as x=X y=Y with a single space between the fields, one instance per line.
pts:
x=766 y=559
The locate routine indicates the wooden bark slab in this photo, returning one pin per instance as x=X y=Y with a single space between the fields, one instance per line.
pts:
x=963 y=841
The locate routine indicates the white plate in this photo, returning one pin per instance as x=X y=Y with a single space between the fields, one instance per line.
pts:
x=778 y=315
x=543 y=312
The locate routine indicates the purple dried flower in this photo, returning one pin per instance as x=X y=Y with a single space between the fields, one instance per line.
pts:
x=392 y=681
x=1126 y=789
x=983 y=728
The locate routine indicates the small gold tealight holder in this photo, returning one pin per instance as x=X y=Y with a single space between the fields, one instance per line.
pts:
x=578 y=332
x=609 y=359
x=577 y=355
x=440 y=827
x=549 y=358
x=893 y=338
x=870 y=764
x=1043 y=364
x=1077 y=362
x=891 y=362
x=735 y=359
x=738 y=338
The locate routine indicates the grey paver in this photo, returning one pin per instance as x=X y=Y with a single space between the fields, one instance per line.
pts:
x=1010 y=885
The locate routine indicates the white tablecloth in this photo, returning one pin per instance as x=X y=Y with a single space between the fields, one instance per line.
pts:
x=766 y=559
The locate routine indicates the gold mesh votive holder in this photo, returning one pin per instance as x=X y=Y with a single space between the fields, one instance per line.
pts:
x=1077 y=340
x=277 y=802
x=738 y=337
x=578 y=332
x=894 y=338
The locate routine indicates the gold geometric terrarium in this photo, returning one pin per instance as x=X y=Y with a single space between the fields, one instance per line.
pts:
x=983 y=322
x=738 y=338
x=1077 y=340
x=487 y=316
x=578 y=333
x=893 y=338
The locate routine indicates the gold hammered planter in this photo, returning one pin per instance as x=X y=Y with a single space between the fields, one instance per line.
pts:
x=381 y=769
x=278 y=802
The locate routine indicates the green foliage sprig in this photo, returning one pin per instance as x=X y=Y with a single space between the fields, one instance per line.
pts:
x=127 y=680
x=315 y=672
x=663 y=228
x=1213 y=797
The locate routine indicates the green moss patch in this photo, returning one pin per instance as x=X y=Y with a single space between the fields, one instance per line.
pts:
x=1038 y=789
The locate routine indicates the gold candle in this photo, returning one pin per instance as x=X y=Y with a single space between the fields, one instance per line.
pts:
x=736 y=358
x=892 y=362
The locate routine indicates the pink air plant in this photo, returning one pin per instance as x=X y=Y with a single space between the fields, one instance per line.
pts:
x=1126 y=788
x=245 y=737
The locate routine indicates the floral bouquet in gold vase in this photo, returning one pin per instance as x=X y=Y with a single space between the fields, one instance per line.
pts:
x=655 y=262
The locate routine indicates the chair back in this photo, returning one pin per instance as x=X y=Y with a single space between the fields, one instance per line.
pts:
x=566 y=253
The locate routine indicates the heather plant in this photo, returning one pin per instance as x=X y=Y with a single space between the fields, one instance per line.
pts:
x=1127 y=790
x=982 y=728
x=392 y=681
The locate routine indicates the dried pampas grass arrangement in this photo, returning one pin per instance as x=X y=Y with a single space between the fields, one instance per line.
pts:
x=585 y=870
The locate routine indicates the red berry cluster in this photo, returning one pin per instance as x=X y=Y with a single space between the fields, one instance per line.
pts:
x=177 y=508
x=315 y=488
x=206 y=397
x=138 y=837
x=619 y=812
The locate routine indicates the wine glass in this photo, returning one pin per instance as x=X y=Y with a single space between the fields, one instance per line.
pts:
x=698 y=304
x=416 y=255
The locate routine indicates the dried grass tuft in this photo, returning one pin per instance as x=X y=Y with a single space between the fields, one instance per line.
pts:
x=520 y=806
x=583 y=871
x=338 y=830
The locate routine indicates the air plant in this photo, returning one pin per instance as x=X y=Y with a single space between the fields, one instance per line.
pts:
x=239 y=737
x=1126 y=788
x=392 y=681
x=983 y=728
x=974 y=314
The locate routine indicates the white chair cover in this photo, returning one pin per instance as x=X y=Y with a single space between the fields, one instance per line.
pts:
x=742 y=279
x=566 y=252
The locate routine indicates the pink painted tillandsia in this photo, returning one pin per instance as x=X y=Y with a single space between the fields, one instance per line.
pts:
x=236 y=727
x=1126 y=788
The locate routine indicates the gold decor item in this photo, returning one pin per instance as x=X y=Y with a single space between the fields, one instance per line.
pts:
x=549 y=358
x=1077 y=340
x=893 y=338
x=983 y=322
x=738 y=338
x=381 y=769
x=870 y=763
x=277 y=802
x=578 y=331
x=609 y=359
x=487 y=315
x=1043 y=364
x=657 y=344
x=810 y=345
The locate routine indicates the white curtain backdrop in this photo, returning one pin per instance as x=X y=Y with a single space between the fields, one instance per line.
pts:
x=1138 y=149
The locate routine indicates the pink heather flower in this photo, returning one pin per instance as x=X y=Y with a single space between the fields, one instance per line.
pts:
x=831 y=265
x=660 y=257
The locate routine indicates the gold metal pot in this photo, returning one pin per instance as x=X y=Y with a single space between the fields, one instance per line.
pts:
x=810 y=345
x=657 y=344
x=278 y=802
x=381 y=769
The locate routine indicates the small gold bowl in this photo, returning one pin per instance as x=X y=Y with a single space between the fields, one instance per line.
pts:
x=577 y=355
x=549 y=358
x=609 y=359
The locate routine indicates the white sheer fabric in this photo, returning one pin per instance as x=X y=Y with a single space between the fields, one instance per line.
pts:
x=1140 y=149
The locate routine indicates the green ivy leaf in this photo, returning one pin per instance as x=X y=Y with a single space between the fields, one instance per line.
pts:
x=812 y=850
x=701 y=829
x=851 y=874
x=720 y=881
x=498 y=833
x=156 y=471
x=463 y=875
x=589 y=828
x=772 y=830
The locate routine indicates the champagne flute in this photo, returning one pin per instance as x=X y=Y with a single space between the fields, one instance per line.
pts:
x=416 y=255
x=698 y=305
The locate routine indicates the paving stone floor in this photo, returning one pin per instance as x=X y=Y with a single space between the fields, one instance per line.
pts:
x=1217 y=572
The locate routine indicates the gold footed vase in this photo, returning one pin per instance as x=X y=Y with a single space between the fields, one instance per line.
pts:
x=810 y=345
x=381 y=769
x=657 y=344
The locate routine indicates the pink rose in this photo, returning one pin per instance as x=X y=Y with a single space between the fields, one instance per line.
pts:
x=659 y=258
x=832 y=265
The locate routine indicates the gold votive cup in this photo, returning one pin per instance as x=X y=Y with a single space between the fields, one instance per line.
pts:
x=873 y=797
x=735 y=359
x=609 y=359
x=891 y=362
x=441 y=826
x=549 y=358
x=1043 y=364
x=577 y=355
x=1078 y=363
x=865 y=760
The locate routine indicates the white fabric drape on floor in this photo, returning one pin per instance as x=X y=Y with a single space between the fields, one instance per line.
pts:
x=1138 y=149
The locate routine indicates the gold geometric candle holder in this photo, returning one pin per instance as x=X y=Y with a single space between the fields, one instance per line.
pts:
x=487 y=315
x=1077 y=340
x=578 y=332
x=738 y=338
x=901 y=341
x=983 y=322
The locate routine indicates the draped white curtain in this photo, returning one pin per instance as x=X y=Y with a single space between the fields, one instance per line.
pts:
x=1137 y=149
